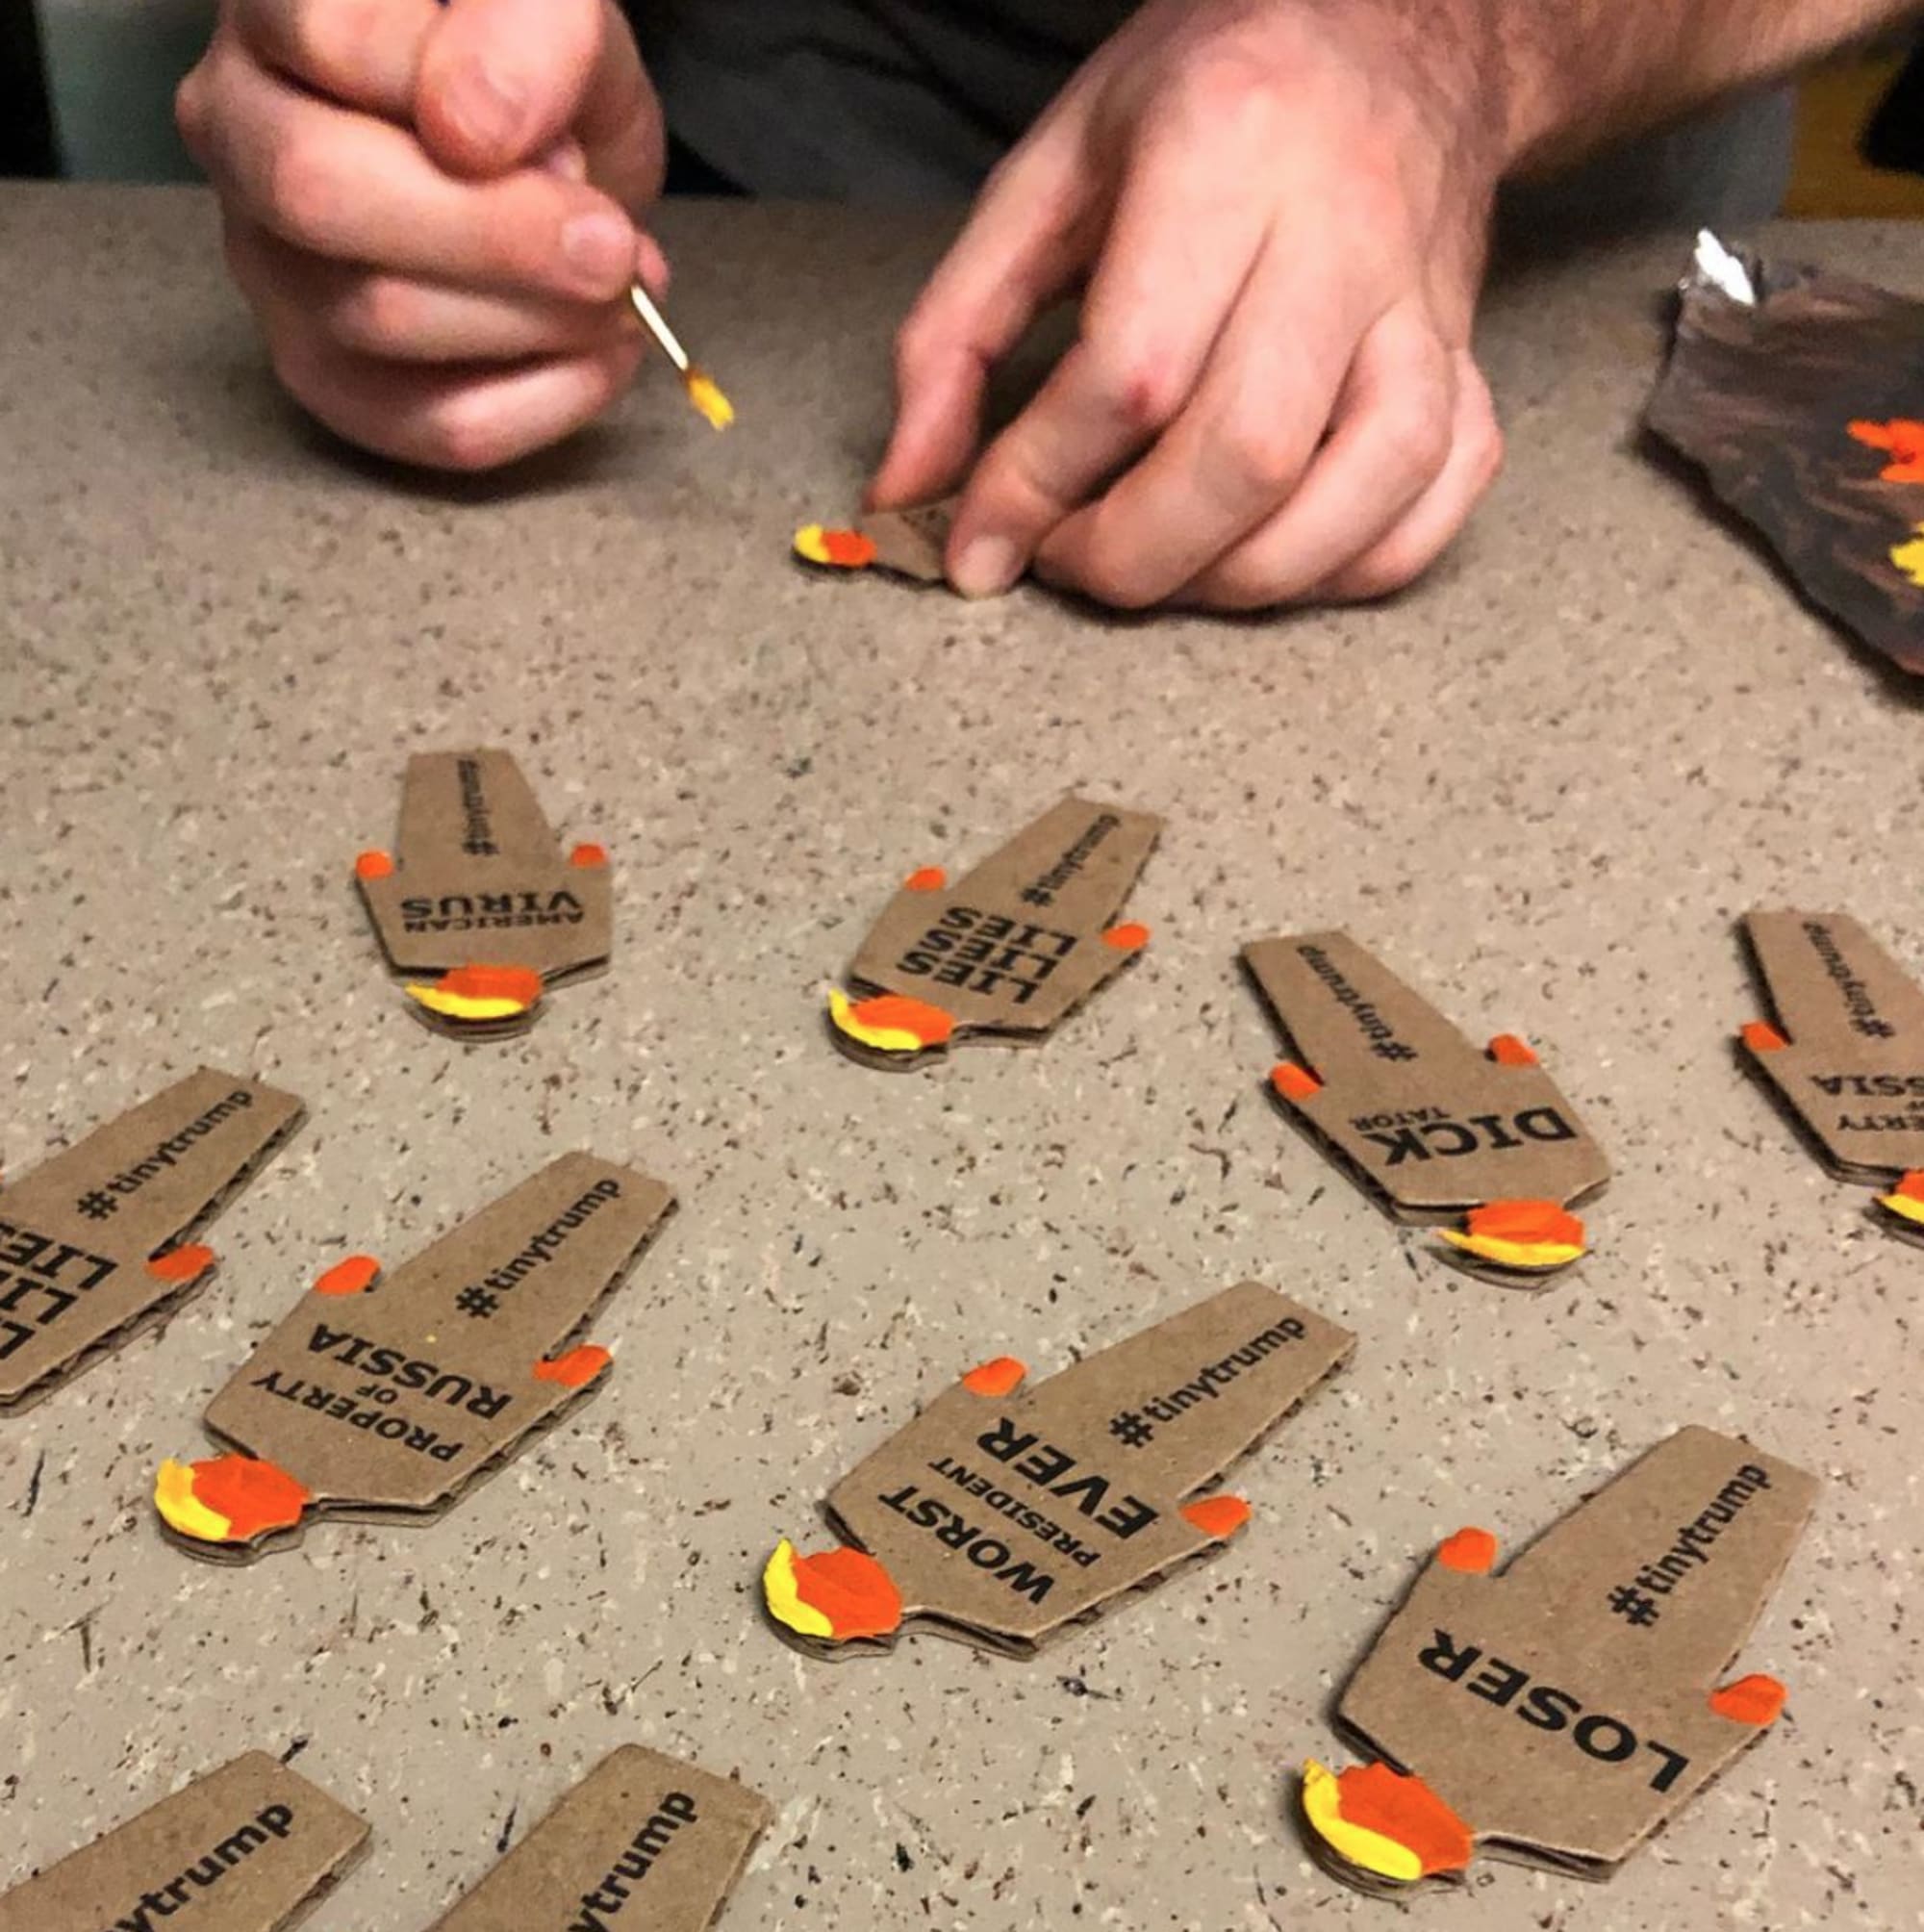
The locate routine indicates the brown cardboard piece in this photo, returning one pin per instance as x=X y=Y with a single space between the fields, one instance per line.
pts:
x=640 y=1830
x=1846 y=1054
x=249 y=1847
x=91 y=1241
x=386 y=1397
x=1566 y=1709
x=1009 y=949
x=913 y=542
x=1432 y=1125
x=1000 y=1514
x=909 y=543
x=479 y=894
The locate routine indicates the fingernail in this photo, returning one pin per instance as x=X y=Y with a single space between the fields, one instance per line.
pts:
x=601 y=248
x=486 y=108
x=987 y=567
x=566 y=160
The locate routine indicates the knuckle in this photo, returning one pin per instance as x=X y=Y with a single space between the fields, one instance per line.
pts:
x=1139 y=384
x=1266 y=458
x=302 y=200
x=466 y=432
x=1393 y=566
x=378 y=315
x=917 y=343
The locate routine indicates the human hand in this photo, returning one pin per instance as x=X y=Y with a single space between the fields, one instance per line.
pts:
x=432 y=211
x=1279 y=210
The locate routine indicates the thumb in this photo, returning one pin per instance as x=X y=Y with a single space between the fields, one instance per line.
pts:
x=501 y=81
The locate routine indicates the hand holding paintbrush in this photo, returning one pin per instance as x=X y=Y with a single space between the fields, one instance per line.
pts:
x=432 y=211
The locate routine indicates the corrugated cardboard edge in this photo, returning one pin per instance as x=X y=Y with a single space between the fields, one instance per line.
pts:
x=1366 y=1183
x=277 y=1767
x=159 y=1313
x=240 y=1557
x=522 y=1868
x=933 y=1623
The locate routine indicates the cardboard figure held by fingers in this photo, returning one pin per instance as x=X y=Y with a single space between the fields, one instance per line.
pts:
x=478 y=895
x=1000 y=1514
x=91 y=1247
x=1431 y=1126
x=1559 y=1713
x=1845 y=1053
x=904 y=543
x=380 y=1398
x=642 y=1840
x=249 y=1847
x=1008 y=951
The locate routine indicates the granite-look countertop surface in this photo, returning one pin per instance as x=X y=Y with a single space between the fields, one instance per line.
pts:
x=1544 y=786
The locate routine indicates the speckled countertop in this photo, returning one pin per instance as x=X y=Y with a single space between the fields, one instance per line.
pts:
x=1546 y=786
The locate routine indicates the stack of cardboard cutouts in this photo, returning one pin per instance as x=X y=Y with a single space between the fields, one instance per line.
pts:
x=1558 y=1714
x=387 y=1397
x=1000 y=1514
x=1430 y=1124
x=478 y=895
x=1800 y=393
x=87 y=1254
x=247 y=1848
x=1010 y=951
x=906 y=543
x=643 y=1840
x=1845 y=1052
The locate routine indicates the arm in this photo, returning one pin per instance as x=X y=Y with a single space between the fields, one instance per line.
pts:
x=1585 y=71
x=1276 y=214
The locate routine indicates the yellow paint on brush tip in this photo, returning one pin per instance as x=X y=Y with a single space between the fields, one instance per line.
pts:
x=705 y=394
x=1910 y=558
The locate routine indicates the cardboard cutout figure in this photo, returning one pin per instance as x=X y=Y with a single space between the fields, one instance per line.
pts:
x=1800 y=393
x=1430 y=1125
x=478 y=895
x=906 y=542
x=247 y=1848
x=383 y=1398
x=642 y=1840
x=1000 y=1514
x=92 y=1247
x=1010 y=951
x=1845 y=1052
x=1557 y=1714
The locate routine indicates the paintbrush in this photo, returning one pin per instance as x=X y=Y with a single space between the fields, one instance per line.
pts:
x=702 y=390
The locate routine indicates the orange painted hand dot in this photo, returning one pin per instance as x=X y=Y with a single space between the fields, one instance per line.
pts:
x=1508 y=1050
x=1126 y=938
x=995 y=1378
x=354 y=1276
x=182 y=1265
x=925 y=879
x=373 y=865
x=1750 y=1700
x=1294 y=1082
x=1762 y=1037
x=1469 y=1552
x=590 y=857
x=1217 y=1517
x=576 y=1369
